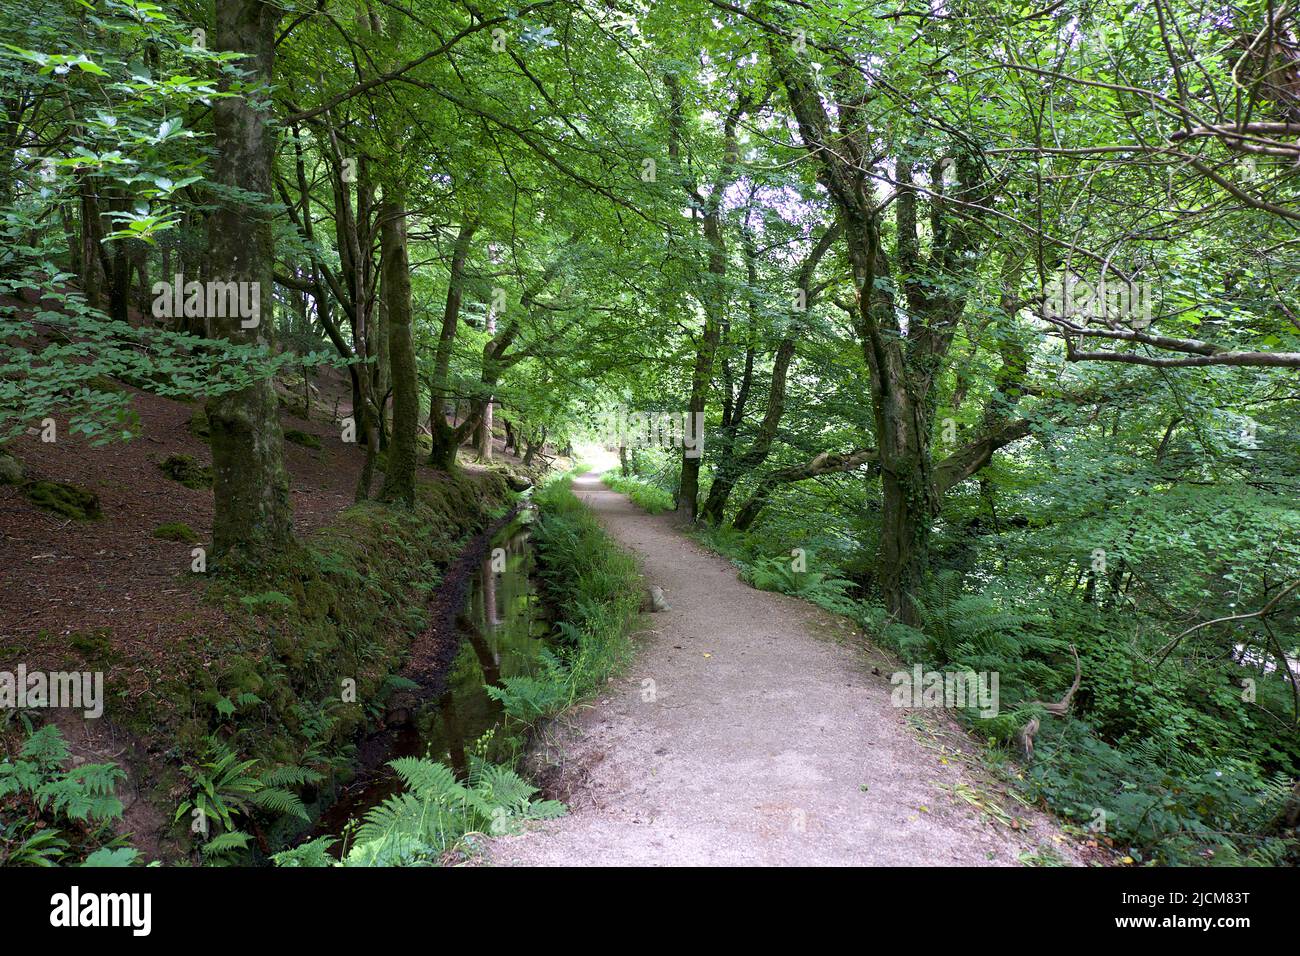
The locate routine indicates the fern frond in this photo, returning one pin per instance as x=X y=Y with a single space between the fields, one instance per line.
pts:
x=290 y=776
x=281 y=801
x=117 y=856
x=426 y=779
x=314 y=853
x=226 y=843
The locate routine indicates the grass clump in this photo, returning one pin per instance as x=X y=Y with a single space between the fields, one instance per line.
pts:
x=176 y=531
x=645 y=495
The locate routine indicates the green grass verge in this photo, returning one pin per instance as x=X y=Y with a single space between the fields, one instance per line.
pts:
x=650 y=497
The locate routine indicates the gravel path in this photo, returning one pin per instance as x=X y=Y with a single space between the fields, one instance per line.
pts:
x=764 y=738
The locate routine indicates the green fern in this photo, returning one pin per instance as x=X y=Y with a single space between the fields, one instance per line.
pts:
x=816 y=587
x=112 y=857
x=310 y=854
x=43 y=848
x=281 y=802
x=226 y=789
x=432 y=815
x=46 y=748
x=226 y=843
x=50 y=816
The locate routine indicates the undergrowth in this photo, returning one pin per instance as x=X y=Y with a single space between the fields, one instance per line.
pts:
x=645 y=494
x=53 y=815
x=595 y=590
x=264 y=713
x=434 y=815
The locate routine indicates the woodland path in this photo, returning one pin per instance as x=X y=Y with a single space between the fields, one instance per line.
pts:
x=769 y=739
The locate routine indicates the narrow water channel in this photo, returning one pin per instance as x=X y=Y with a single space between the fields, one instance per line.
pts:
x=502 y=629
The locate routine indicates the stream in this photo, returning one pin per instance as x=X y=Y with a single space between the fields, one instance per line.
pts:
x=502 y=629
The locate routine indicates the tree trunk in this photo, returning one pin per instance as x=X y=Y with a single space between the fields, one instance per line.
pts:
x=89 y=252
x=354 y=254
x=702 y=375
x=713 y=295
x=119 y=283
x=483 y=434
x=534 y=447
x=731 y=469
x=252 y=518
x=399 y=480
x=445 y=438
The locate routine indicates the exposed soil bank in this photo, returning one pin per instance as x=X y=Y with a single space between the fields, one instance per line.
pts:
x=751 y=730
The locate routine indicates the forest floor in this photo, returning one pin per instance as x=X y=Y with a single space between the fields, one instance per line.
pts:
x=112 y=576
x=108 y=595
x=767 y=737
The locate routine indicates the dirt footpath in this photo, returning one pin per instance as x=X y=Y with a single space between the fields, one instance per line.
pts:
x=751 y=730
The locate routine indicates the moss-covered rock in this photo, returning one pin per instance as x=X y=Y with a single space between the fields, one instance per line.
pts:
x=186 y=470
x=516 y=478
x=306 y=439
x=176 y=531
x=102 y=383
x=11 y=469
x=67 y=500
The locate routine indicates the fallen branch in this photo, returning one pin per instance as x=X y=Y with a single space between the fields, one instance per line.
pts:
x=1058 y=708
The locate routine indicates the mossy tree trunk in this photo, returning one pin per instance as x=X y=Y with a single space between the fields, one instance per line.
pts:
x=904 y=362
x=252 y=514
x=399 y=480
x=445 y=437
